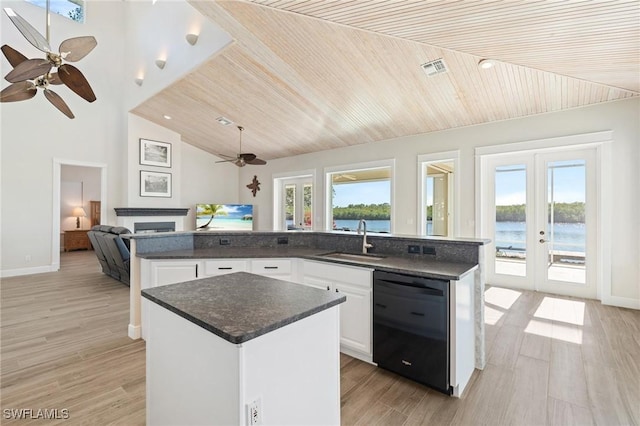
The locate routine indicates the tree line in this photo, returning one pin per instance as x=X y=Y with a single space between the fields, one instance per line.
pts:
x=363 y=211
x=562 y=213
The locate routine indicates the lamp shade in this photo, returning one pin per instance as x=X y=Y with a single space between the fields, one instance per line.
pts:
x=78 y=212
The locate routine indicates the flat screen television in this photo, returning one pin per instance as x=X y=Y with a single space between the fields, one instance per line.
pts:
x=224 y=217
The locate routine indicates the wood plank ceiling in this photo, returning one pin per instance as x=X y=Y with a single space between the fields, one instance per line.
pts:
x=305 y=76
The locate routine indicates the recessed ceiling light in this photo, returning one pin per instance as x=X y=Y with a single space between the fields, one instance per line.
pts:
x=168 y=117
x=485 y=64
x=224 y=121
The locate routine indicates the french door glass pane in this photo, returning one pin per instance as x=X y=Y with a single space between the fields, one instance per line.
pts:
x=290 y=205
x=308 y=194
x=565 y=232
x=511 y=221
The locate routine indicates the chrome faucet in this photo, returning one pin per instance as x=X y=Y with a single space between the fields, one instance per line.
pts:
x=365 y=246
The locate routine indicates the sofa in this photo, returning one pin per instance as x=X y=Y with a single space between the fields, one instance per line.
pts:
x=112 y=250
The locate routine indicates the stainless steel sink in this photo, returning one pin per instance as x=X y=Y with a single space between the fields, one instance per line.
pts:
x=352 y=256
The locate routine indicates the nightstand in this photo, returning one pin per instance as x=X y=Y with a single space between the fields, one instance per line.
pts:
x=76 y=240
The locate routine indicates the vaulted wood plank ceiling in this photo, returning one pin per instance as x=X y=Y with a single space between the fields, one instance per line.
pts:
x=305 y=76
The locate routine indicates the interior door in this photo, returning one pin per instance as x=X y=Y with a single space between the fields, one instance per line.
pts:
x=540 y=213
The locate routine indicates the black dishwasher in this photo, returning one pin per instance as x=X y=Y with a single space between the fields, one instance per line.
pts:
x=411 y=328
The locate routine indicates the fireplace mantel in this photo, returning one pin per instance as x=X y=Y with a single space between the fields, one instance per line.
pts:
x=150 y=211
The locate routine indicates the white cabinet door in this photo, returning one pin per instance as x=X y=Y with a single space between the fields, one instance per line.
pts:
x=170 y=272
x=355 y=317
x=321 y=283
x=355 y=314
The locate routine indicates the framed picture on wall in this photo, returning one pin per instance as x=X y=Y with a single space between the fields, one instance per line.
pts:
x=155 y=184
x=154 y=153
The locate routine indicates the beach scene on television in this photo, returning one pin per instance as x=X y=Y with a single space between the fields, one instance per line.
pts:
x=224 y=217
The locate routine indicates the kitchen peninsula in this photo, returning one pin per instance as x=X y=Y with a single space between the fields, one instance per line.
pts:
x=225 y=348
x=328 y=261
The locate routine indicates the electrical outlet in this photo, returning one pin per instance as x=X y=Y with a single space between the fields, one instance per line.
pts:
x=224 y=241
x=254 y=413
x=283 y=240
x=413 y=249
x=428 y=250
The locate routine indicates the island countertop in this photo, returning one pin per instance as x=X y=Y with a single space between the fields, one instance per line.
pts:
x=241 y=306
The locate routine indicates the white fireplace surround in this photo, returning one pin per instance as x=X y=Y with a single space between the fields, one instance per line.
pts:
x=129 y=216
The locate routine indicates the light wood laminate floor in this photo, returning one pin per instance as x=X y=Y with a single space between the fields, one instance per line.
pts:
x=551 y=360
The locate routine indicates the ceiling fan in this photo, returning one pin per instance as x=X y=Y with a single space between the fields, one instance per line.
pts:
x=242 y=159
x=30 y=74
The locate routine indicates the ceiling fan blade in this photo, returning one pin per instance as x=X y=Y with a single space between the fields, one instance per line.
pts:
x=13 y=56
x=58 y=102
x=74 y=79
x=226 y=161
x=54 y=78
x=31 y=34
x=28 y=70
x=257 y=162
x=247 y=156
x=74 y=49
x=18 y=92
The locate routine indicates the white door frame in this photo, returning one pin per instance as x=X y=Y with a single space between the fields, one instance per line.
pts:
x=57 y=175
x=601 y=141
x=454 y=192
x=278 y=180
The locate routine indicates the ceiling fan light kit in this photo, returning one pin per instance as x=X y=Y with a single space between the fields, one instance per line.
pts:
x=28 y=75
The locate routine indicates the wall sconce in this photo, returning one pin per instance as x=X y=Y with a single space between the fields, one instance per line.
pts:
x=192 y=39
x=139 y=81
x=78 y=212
x=160 y=63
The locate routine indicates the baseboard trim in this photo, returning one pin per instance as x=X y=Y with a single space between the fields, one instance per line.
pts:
x=28 y=271
x=621 y=302
x=135 y=332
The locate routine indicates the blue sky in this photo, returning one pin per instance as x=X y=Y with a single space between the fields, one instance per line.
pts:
x=362 y=193
x=236 y=211
x=569 y=185
x=61 y=7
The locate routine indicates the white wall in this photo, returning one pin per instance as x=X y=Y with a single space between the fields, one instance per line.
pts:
x=33 y=133
x=204 y=181
x=621 y=117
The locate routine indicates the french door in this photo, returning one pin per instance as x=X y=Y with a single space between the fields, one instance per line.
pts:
x=540 y=212
x=295 y=203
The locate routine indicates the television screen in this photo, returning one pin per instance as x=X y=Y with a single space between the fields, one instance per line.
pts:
x=224 y=217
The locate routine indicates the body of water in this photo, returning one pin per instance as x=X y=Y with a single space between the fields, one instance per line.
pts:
x=372 y=225
x=566 y=236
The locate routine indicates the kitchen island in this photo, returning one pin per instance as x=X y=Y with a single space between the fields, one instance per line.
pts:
x=224 y=348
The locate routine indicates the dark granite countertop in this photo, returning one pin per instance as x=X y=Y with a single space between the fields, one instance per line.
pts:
x=420 y=266
x=241 y=306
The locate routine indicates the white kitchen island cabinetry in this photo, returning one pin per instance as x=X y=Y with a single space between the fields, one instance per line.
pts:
x=214 y=353
x=355 y=313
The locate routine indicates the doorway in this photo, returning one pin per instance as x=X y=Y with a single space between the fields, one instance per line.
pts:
x=293 y=201
x=540 y=210
x=75 y=185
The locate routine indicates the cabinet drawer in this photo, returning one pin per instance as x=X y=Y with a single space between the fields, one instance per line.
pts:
x=226 y=266
x=271 y=266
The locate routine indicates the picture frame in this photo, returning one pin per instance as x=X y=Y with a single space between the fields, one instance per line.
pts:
x=155 y=184
x=155 y=153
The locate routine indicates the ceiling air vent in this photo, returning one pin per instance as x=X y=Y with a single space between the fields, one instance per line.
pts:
x=434 y=67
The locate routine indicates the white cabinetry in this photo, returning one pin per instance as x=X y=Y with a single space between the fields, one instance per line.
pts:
x=165 y=272
x=355 y=314
x=281 y=269
x=225 y=266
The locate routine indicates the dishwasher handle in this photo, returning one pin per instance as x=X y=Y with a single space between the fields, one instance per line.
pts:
x=424 y=288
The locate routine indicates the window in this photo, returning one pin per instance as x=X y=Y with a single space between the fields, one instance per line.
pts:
x=72 y=9
x=360 y=193
x=438 y=194
x=293 y=200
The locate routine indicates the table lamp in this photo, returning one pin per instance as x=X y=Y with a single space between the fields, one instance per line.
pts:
x=78 y=212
